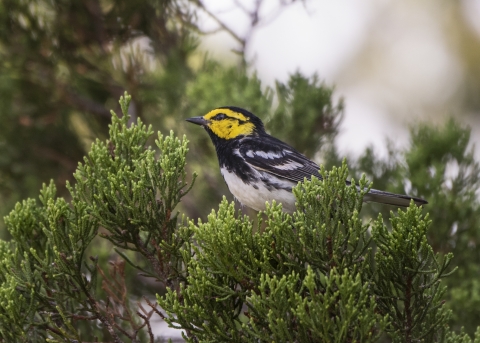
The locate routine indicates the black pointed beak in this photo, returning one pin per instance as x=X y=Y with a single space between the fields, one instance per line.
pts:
x=198 y=121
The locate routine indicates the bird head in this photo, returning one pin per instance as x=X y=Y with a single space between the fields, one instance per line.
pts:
x=229 y=123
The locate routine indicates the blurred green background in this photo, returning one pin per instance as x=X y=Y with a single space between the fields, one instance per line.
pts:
x=392 y=86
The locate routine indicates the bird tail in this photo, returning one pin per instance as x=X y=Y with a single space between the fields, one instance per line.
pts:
x=392 y=199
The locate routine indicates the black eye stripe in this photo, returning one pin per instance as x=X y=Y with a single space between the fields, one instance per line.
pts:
x=220 y=116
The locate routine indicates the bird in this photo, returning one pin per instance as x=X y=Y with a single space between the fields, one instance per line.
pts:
x=259 y=168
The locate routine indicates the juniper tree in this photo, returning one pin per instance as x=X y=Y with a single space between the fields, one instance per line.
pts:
x=322 y=274
x=440 y=164
x=122 y=193
x=318 y=276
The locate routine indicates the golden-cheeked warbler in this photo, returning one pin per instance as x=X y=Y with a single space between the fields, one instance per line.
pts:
x=258 y=167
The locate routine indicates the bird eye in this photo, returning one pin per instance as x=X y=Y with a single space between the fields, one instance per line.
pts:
x=220 y=116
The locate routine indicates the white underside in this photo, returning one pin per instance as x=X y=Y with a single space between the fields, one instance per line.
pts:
x=254 y=198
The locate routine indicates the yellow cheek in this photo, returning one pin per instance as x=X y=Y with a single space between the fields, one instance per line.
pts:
x=229 y=129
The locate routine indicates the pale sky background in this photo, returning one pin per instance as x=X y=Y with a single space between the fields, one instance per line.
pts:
x=389 y=59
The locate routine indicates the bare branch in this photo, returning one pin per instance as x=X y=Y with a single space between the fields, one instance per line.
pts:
x=254 y=17
x=154 y=307
x=146 y=319
x=219 y=22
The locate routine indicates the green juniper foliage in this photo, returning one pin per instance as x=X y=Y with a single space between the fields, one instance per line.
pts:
x=407 y=277
x=132 y=194
x=311 y=277
x=440 y=165
x=64 y=63
x=321 y=275
x=49 y=286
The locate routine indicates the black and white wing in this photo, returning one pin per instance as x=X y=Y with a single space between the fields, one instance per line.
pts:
x=277 y=158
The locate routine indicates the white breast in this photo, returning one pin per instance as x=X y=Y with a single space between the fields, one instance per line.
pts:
x=255 y=194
